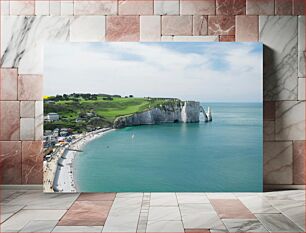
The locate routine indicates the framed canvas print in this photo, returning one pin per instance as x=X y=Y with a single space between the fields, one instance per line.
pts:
x=153 y=117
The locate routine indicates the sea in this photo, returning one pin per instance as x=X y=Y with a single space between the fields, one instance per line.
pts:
x=225 y=155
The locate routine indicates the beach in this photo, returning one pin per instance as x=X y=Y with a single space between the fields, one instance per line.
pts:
x=58 y=172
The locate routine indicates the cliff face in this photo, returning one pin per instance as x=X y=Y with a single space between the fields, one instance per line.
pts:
x=187 y=111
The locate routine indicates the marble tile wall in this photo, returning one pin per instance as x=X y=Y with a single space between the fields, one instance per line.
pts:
x=26 y=25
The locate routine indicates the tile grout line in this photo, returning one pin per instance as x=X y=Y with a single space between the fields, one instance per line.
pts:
x=145 y=205
x=178 y=205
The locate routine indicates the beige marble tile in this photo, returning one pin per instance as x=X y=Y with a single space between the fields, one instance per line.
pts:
x=283 y=7
x=164 y=213
x=269 y=130
x=42 y=7
x=22 y=7
x=299 y=162
x=241 y=225
x=198 y=216
x=163 y=199
x=137 y=196
x=301 y=47
x=8 y=84
x=74 y=229
x=122 y=28
x=294 y=195
x=294 y=210
x=88 y=29
x=278 y=163
x=124 y=214
x=30 y=87
x=5 y=194
x=290 y=120
x=8 y=210
x=279 y=35
x=32 y=162
x=192 y=198
x=39 y=226
x=166 y=7
x=298 y=7
x=246 y=28
x=277 y=223
x=200 y=25
x=23 y=217
x=218 y=227
x=17 y=193
x=301 y=88
x=39 y=108
x=176 y=25
x=10 y=154
x=107 y=7
x=39 y=120
x=135 y=7
x=9 y=120
x=66 y=7
x=27 y=109
x=5 y=7
x=191 y=7
x=150 y=28
x=27 y=131
x=221 y=196
x=260 y=7
x=55 y=8
x=165 y=226
x=258 y=205
x=37 y=200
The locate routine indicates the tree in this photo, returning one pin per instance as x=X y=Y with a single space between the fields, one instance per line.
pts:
x=58 y=98
x=107 y=98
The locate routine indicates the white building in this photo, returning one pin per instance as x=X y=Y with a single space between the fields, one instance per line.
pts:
x=52 y=116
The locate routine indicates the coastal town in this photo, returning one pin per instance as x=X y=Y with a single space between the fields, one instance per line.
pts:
x=60 y=136
x=60 y=148
x=64 y=137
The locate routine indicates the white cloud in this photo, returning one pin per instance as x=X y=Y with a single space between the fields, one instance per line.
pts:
x=184 y=70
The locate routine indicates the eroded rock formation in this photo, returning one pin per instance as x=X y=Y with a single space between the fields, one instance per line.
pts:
x=187 y=111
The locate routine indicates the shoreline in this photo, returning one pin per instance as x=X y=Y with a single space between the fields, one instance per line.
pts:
x=63 y=179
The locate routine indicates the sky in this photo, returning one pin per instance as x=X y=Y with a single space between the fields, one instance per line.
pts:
x=200 y=71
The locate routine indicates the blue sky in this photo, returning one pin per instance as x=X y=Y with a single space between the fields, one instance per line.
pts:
x=208 y=72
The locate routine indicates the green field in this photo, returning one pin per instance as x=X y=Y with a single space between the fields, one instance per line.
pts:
x=80 y=112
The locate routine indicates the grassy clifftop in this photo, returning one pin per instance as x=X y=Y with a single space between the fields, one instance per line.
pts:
x=86 y=111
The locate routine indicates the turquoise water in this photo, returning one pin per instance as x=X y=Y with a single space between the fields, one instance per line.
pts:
x=223 y=155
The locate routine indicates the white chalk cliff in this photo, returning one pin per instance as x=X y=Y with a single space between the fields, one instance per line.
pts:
x=187 y=112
